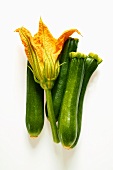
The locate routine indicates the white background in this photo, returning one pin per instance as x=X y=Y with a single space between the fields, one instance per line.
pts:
x=95 y=147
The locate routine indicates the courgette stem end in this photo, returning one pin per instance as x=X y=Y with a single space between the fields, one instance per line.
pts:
x=96 y=57
x=77 y=55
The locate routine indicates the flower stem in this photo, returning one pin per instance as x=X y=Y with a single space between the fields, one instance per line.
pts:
x=51 y=115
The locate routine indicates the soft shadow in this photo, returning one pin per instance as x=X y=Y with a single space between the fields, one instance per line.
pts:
x=68 y=156
x=65 y=156
x=94 y=77
x=34 y=141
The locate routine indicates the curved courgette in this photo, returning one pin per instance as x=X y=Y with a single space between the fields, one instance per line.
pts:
x=67 y=123
x=34 y=105
x=91 y=63
x=60 y=84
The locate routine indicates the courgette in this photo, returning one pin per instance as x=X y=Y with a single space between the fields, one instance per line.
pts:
x=91 y=63
x=34 y=105
x=67 y=123
x=60 y=83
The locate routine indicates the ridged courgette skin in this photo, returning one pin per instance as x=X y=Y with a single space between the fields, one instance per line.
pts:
x=67 y=123
x=90 y=66
x=60 y=84
x=34 y=105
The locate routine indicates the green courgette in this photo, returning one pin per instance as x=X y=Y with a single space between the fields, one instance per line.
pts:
x=60 y=83
x=91 y=63
x=67 y=123
x=34 y=105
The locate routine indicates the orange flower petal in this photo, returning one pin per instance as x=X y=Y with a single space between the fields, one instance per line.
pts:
x=67 y=33
x=30 y=47
x=42 y=51
x=31 y=50
x=45 y=39
x=26 y=39
x=63 y=38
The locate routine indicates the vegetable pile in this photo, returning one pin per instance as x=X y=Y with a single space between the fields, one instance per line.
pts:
x=54 y=65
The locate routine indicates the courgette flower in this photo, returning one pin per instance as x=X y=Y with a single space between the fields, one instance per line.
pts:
x=43 y=51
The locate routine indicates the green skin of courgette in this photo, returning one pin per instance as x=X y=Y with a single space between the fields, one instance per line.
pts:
x=60 y=84
x=34 y=105
x=67 y=123
x=91 y=65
